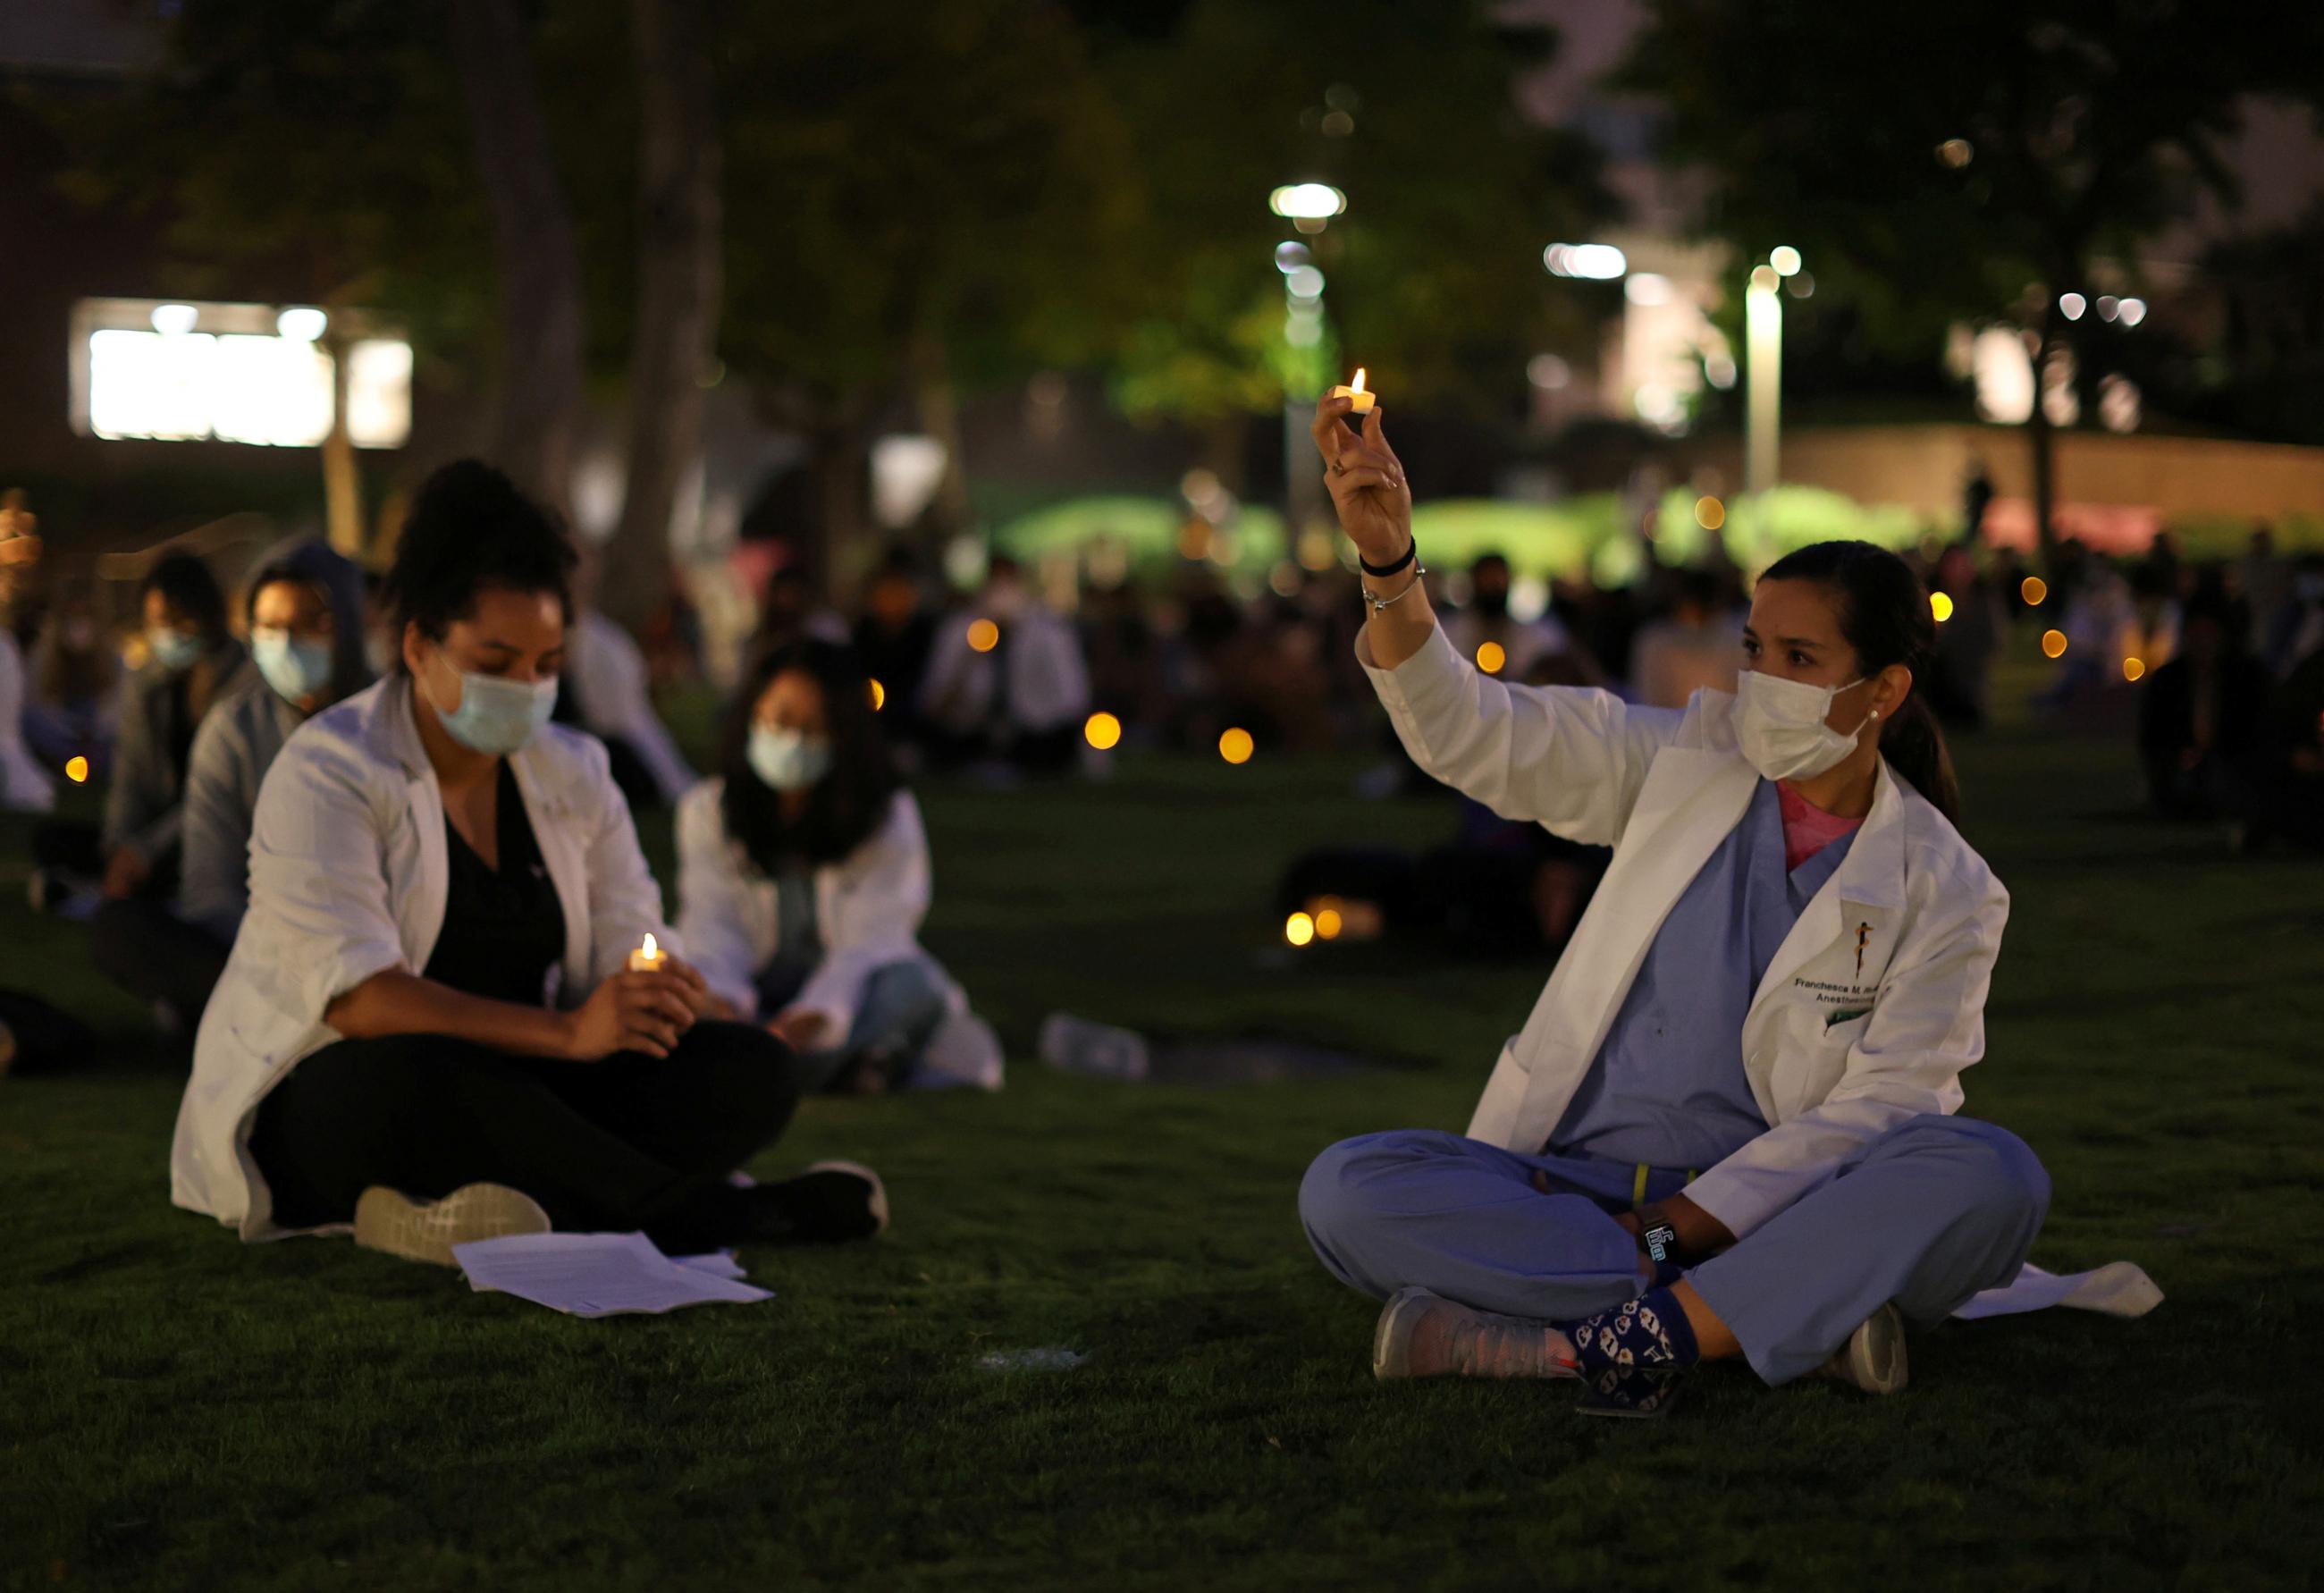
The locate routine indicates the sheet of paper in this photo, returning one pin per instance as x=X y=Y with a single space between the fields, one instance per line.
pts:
x=717 y=1264
x=2115 y=1289
x=596 y=1274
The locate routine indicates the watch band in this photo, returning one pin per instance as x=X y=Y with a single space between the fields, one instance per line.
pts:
x=1411 y=552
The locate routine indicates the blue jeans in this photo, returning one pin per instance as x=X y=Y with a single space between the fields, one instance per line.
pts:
x=902 y=1004
x=1926 y=1215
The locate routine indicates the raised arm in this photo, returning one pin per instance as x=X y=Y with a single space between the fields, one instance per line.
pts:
x=1572 y=759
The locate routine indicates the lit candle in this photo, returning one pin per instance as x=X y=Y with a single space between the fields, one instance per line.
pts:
x=1363 y=399
x=649 y=957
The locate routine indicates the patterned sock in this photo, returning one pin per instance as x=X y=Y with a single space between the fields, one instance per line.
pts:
x=1650 y=1330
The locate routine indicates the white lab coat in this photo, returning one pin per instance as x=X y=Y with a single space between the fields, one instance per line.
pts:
x=348 y=876
x=1875 y=1000
x=868 y=907
x=24 y=785
x=608 y=675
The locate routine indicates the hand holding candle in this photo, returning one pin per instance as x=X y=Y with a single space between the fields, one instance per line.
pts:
x=649 y=958
x=1355 y=395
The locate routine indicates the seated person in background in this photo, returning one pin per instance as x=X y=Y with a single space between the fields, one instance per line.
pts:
x=24 y=785
x=802 y=877
x=1014 y=694
x=895 y=636
x=2287 y=800
x=1486 y=619
x=76 y=681
x=428 y=1028
x=305 y=611
x=194 y=662
x=2199 y=717
x=604 y=691
x=1697 y=647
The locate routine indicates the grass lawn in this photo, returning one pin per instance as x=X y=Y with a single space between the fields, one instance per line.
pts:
x=178 y=1411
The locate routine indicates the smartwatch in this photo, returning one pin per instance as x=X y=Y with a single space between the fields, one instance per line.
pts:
x=1661 y=1242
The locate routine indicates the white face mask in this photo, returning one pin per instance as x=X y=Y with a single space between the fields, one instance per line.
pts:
x=786 y=760
x=1780 y=725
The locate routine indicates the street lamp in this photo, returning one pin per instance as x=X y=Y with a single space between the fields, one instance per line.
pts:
x=1763 y=328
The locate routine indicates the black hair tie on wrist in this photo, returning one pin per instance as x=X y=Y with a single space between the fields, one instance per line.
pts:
x=1411 y=552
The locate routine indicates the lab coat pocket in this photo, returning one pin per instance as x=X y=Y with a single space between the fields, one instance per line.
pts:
x=1818 y=1058
x=1495 y=1120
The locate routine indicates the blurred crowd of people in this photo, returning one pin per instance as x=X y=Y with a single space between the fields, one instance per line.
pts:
x=2221 y=665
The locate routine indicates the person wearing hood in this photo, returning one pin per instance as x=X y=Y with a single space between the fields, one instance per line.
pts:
x=303 y=607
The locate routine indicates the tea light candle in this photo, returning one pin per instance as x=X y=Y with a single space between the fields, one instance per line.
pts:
x=649 y=957
x=1363 y=399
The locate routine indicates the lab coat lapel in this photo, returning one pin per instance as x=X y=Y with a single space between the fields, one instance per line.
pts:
x=547 y=803
x=1855 y=912
x=421 y=896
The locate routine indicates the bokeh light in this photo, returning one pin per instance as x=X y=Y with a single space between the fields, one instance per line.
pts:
x=1940 y=606
x=879 y=696
x=1299 y=929
x=2132 y=668
x=1328 y=924
x=2053 y=644
x=1709 y=513
x=1103 y=731
x=1490 y=656
x=77 y=770
x=1236 y=746
x=983 y=635
x=2034 y=590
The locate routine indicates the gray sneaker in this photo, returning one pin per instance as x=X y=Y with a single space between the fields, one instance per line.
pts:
x=425 y=1230
x=1426 y=1335
x=1873 y=1359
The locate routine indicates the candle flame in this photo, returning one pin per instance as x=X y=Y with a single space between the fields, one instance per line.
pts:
x=1358 y=384
x=651 y=950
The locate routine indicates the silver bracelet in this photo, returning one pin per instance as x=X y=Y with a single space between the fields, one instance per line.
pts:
x=1379 y=604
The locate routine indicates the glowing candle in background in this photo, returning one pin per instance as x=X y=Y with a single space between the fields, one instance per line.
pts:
x=983 y=636
x=1236 y=745
x=649 y=957
x=77 y=770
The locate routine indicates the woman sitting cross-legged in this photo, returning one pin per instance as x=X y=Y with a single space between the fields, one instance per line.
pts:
x=428 y=1027
x=802 y=877
x=1729 y=1127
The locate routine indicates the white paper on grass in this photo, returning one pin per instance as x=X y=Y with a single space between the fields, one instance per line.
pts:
x=2116 y=1289
x=600 y=1274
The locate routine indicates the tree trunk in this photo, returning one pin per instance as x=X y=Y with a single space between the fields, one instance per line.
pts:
x=839 y=467
x=938 y=402
x=680 y=240
x=539 y=406
x=343 y=516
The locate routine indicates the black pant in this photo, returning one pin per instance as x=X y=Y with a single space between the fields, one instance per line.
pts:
x=626 y=1142
x=147 y=949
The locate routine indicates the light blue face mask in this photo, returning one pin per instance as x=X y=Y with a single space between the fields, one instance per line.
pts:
x=495 y=716
x=173 y=650
x=787 y=759
x=295 y=669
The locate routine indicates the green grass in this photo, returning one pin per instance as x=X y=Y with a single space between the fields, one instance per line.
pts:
x=177 y=1410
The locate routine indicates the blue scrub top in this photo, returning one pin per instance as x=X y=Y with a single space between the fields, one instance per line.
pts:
x=1667 y=1088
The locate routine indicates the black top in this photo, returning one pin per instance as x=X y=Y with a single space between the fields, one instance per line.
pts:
x=505 y=929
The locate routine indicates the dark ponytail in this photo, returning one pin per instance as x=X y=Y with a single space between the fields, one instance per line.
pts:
x=1883 y=612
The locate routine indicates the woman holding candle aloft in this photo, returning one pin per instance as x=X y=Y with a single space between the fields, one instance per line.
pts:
x=428 y=1029
x=803 y=878
x=1726 y=1130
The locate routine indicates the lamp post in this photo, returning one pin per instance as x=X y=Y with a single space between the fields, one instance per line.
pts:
x=1763 y=340
x=1309 y=206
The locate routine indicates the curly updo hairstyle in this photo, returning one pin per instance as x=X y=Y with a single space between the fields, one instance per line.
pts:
x=471 y=530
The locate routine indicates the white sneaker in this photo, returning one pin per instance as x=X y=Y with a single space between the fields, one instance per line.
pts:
x=1873 y=1359
x=425 y=1230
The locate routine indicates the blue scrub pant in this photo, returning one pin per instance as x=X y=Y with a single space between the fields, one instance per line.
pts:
x=902 y=1005
x=1926 y=1215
